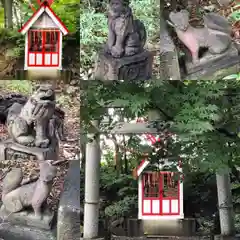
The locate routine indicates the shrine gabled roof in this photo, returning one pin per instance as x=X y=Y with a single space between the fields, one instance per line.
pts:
x=142 y=166
x=144 y=163
x=44 y=8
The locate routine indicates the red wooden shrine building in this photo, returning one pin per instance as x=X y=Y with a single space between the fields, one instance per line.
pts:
x=160 y=192
x=43 y=38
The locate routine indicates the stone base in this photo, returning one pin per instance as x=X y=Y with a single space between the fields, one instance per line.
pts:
x=68 y=222
x=44 y=75
x=10 y=150
x=221 y=237
x=98 y=238
x=17 y=232
x=211 y=66
x=137 y=67
x=27 y=218
x=178 y=227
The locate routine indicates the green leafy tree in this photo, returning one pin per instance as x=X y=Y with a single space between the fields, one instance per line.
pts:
x=203 y=115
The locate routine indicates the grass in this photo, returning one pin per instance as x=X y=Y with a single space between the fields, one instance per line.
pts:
x=25 y=87
x=16 y=86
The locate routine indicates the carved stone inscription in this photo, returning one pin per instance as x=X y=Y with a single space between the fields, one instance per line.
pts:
x=135 y=71
x=137 y=67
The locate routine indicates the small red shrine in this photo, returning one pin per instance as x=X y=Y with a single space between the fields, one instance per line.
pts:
x=160 y=192
x=43 y=39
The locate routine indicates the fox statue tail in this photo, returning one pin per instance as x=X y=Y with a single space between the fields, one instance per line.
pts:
x=217 y=23
x=142 y=31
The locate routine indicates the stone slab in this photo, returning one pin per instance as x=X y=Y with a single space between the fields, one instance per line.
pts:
x=68 y=222
x=27 y=218
x=98 y=238
x=10 y=150
x=133 y=128
x=46 y=74
x=211 y=67
x=174 y=227
x=169 y=65
x=136 y=67
x=159 y=237
x=17 y=232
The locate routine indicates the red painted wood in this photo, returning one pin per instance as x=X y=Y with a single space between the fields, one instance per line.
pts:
x=40 y=2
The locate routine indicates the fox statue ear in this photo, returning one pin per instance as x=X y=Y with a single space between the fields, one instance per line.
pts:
x=185 y=12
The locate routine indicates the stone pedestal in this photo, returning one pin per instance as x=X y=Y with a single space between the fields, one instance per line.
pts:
x=222 y=237
x=10 y=150
x=18 y=232
x=171 y=227
x=214 y=67
x=68 y=222
x=27 y=218
x=137 y=67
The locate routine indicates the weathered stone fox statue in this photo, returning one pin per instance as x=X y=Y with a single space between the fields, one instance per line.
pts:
x=28 y=124
x=17 y=196
x=215 y=35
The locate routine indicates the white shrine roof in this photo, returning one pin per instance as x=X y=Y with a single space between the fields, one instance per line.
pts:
x=160 y=165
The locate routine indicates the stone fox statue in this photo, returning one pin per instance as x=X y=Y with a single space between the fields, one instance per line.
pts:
x=126 y=36
x=29 y=124
x=215 y=35
x=17 y=195
x=6 y=106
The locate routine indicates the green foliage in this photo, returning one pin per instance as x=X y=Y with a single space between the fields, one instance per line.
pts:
x=122 y=207
x=200 y=193
x=109 y=182
x=148 y=12
x=121 y=191
x=235 y=15
x=203 y=115
x=18 y=86
x=233 y=77
x=1 y=17
x=67 y=11
x=93 y=33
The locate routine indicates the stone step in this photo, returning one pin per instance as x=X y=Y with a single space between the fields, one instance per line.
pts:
x=46 y=74
x=16 y=232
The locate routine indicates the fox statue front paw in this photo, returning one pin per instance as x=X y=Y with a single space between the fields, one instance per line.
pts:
x=42 y=143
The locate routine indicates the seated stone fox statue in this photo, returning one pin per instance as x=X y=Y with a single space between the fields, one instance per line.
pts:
x=215 y=35
x=126 y=36
x=16 y=195
x=28 y=124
